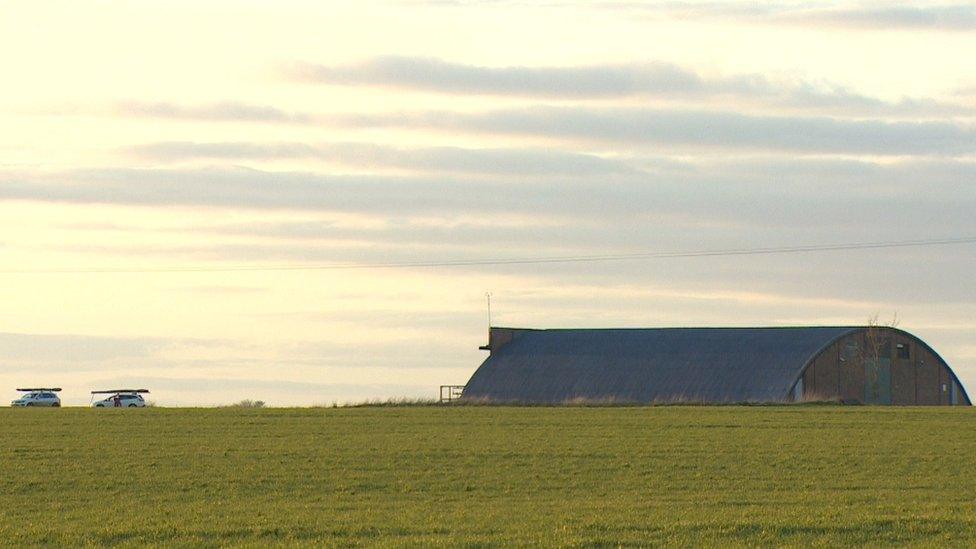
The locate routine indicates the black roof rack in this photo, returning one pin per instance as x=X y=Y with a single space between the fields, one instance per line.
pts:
x=117 y=391
x=52 y=389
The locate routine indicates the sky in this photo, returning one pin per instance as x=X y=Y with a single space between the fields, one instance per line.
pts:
x=169 y=171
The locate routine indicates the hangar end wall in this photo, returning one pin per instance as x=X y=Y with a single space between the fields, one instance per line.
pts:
x=880 y=365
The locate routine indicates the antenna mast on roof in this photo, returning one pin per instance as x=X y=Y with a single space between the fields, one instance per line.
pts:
x=488 y=296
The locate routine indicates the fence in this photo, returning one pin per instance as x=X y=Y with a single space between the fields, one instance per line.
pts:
x=450 y=393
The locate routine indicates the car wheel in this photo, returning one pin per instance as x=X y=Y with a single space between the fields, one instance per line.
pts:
x=132 y=406
x=56 y=405
x=99 y=405
x=29 y=404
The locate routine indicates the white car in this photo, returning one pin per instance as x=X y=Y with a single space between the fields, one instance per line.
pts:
x=126 y=400
x=38 y=397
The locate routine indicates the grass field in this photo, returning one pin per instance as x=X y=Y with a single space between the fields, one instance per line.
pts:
x=489 y=475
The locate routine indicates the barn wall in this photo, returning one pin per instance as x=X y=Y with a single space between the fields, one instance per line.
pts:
x=903 y=370
x=822 y=378
x=944 y=381
x=499 y=337
x=851 y=368
x=867 y=367
x=929 y=376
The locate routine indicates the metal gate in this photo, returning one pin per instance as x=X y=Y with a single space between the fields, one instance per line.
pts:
x=450 y=393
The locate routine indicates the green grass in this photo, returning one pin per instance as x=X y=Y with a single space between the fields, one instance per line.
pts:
x=484 y=476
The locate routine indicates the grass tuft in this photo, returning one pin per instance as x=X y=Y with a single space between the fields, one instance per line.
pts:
x=246 y=403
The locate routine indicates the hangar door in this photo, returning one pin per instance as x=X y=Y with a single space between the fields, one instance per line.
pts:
x=877 y=380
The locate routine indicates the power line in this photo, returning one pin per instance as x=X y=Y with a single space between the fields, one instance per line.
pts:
x=516 y=260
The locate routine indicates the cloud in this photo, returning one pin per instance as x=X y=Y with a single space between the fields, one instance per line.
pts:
x=242 y=188
x=932 y=275
x=16 y=348
x=654 y=79
x=68 y=353
x=65 y=353
x=442 y=76
x=774 y=189
x=457 y=322
x=736 y=203
x=721 y=204
x=364 y=155
x=636 y=126
x=221 y=291
x=958 y=17
x=887 y=15
x=699 y=129
x=223 y=112
x=871 y=15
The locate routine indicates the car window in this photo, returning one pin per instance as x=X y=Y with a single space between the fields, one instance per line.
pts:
x=49 y=395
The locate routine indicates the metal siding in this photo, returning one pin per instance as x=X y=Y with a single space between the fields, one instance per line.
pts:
x=825 y=376
x=827 y=362
x=872 y=381
x=926 y=377
x=903 y=376
x=810 y=380
x=652 y=365
x=707 y=365
x=851 y=370
x=944 y=382
x=884 y=380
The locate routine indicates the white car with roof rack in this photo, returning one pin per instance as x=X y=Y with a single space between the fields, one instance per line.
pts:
x=42 y=396
x=120 y=398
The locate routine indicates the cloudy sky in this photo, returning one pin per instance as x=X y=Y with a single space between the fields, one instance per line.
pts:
x=169 y=171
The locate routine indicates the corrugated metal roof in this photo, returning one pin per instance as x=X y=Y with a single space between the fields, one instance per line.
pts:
x=650 y=365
